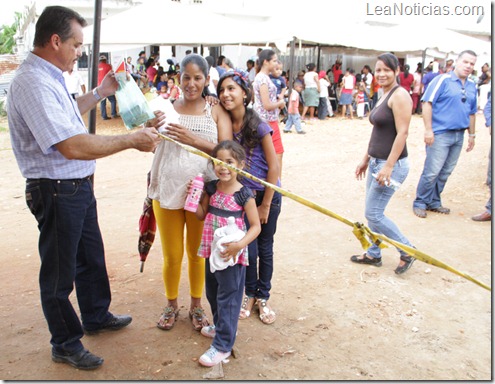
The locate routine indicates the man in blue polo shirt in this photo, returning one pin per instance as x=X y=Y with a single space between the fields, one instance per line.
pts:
x=449 y=108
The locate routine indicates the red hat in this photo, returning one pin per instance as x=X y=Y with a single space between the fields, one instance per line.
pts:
x=321 y=74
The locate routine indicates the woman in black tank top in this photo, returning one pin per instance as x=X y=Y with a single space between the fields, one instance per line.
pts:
x=386 y=160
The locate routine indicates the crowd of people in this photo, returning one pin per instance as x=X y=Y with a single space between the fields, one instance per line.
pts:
x=352 y=94
x=242 y=129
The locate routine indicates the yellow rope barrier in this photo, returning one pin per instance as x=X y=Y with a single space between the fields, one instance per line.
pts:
x=362 y=233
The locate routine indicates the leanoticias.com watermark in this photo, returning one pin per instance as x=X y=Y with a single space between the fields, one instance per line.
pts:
x=421 y=9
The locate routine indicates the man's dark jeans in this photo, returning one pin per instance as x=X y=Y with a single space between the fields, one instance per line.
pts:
x=71 y=250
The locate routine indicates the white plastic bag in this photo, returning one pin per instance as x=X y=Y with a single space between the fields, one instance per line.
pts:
x=223 y=235
x=164 y=105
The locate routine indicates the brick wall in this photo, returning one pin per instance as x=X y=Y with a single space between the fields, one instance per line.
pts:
x=8 y=66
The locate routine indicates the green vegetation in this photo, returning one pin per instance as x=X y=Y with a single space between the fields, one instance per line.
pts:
x=7 y=33
x=4 y=127
x=3 y=112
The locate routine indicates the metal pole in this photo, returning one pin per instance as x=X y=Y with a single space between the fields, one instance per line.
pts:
x=94 y=54
x=423 y=62
x=292 y=64
x=423 y=59
x=318 y=58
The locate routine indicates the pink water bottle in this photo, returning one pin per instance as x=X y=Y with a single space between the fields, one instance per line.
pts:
x=192 y=199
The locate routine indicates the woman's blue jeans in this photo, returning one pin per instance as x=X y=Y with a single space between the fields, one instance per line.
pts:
x=260 y=270
x=377 y=198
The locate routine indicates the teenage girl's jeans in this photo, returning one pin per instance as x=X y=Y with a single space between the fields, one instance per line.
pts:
x=71 y=250
x=258 y=278
x=441 y=159
x=377 y=198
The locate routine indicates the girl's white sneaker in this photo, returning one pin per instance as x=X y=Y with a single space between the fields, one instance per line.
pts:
x=208 y=331
x=212 y=357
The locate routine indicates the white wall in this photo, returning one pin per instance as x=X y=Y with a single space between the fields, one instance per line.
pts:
x=239 y=54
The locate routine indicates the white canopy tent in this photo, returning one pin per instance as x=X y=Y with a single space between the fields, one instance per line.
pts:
x=194 y=25
x=403 y=38
x=361 y=37
x=333 y=36
x=182 y=25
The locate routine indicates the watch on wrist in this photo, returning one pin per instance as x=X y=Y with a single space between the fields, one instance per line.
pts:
x=96 y=94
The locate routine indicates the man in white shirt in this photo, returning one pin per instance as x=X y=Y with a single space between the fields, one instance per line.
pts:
x=214 y=76
x=74 y=83
x=251 y=70
x=367 y=77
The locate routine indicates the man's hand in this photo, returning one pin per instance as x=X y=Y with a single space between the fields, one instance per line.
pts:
x=470 y=145
x=109 y=85
x=429 y=137
x=146 y=139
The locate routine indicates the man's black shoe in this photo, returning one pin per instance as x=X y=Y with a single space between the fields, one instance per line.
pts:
x=80 y=360
x=115 y=323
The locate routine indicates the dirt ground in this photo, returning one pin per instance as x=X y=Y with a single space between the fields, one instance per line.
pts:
x=335 y=320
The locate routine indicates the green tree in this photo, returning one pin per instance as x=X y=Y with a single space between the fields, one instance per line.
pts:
x=7 y=41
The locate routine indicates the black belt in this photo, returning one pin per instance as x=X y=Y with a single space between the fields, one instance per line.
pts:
x=60 y=180
x=223 y=212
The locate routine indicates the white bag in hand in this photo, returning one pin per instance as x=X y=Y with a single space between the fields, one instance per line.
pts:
x=164 y=105
x=229 y=233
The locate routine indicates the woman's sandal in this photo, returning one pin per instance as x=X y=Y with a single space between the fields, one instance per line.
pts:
x=198 y=318
x=246 y=307
x=267 y=315
x=403 y=268
x=364 y=259
x=168 y=314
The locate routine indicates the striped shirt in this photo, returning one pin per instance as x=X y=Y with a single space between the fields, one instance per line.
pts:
x=42 y=114
x=446 y=93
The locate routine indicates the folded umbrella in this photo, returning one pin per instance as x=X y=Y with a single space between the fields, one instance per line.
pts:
x=147 y=229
